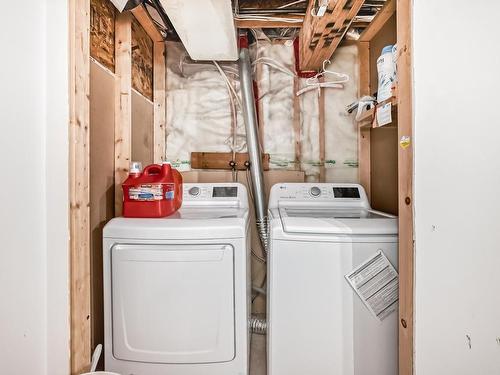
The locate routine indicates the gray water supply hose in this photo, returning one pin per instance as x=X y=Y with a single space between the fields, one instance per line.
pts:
x=253 y=145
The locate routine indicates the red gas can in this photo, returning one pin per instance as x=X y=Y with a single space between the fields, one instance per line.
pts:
x=156 y=192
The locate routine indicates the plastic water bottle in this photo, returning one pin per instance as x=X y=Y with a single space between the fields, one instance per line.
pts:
x=386 y=68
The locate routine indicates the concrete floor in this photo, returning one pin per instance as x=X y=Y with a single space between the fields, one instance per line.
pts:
x=258 y=355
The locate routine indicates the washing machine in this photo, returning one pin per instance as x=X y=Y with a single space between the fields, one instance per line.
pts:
x=176 y=289
x=333 y=283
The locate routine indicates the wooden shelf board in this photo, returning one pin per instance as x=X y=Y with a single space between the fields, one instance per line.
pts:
x=366 y=119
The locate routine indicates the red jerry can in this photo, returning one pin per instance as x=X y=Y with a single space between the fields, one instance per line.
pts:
x=156 y=192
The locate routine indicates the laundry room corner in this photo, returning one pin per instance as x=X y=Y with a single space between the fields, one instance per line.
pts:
x=249 y=187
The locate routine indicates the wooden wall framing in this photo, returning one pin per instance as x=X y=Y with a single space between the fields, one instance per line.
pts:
x=142 y=60
x=320 y=36
x=123 y=104
x=102 y=32
x=405 y=187
x=403 y=9
x=79 y=184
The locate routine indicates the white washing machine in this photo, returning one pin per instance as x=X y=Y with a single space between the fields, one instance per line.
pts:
x=326 y=245
x=176 y=290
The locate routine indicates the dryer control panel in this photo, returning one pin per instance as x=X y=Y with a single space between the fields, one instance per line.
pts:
x=215 y=194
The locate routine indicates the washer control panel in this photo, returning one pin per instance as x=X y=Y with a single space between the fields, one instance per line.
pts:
x=315 y=191
x=321 y=193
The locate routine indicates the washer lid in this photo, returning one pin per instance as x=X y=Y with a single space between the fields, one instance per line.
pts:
x=355 y=221
x=187 y=223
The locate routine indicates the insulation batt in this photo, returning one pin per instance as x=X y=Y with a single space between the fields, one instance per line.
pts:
x=199 y=112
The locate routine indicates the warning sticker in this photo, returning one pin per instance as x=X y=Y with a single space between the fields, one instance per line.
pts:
x=152 y=192
x=376 y=282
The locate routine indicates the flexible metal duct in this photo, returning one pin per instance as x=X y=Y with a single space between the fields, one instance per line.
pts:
x=253 y=146
x=257 y=325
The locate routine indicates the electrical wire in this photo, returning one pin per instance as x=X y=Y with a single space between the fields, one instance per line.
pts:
x=290 y=4
x=275 y=64
x=267 y=18
x=228 y=83
x=232 y=97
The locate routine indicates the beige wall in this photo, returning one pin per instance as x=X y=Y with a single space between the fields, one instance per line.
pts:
x=142 y=129
x=102 y=158
x=101 y=180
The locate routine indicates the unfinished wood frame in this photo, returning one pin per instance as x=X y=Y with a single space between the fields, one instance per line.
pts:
x=123 y=103
x=380 y=19
x=320 y=36
x=405 y=187
x=322 y=136
x=159 y=102
x=221 y=160
x=270 y=24
x=79 y=153
x=364 y=166
x=403 y=102
x=79 y=185
x=159 y=81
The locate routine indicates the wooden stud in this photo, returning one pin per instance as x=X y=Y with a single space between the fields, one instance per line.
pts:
x=79 y=185
x=320 y=36
x=364 y=68
x=297 y=123
x=123 y=104
x=260 y=102
x=159 y=97
x=268 y=24
x=379 y=21
x=405 y=187
x=364 y=163
x=322 y=141
x=143 y=17
x=364 y=157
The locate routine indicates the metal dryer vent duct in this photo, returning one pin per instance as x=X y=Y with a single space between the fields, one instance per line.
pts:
x=253 y=145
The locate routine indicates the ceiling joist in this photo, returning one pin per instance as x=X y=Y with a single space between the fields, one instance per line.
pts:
x=275 y=22
x=320 y=36
x=143 y=17
x=379 y=21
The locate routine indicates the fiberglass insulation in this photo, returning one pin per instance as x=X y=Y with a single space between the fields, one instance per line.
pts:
x=199 y=111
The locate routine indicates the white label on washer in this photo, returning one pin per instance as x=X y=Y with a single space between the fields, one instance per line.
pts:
x=376 y=282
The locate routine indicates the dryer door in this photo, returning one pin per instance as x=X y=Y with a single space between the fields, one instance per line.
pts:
x=173 y=303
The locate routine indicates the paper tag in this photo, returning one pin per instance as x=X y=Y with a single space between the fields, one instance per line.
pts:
x=376 y=282
x=384 y=114
x=405 y=142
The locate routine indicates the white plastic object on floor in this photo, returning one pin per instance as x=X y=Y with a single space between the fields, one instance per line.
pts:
x=101 y=373
x=95 y=357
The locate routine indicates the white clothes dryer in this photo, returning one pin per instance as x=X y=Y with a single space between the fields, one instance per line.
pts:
x=176 y=289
